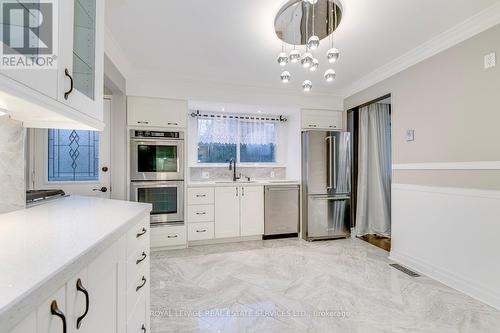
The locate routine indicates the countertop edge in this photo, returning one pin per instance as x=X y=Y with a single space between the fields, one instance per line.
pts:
x=256 y=183
x=16 y=311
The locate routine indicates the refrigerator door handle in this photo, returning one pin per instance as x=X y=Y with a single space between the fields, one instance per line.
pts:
x=334 y=166
x=329 y=170
x=327 y=198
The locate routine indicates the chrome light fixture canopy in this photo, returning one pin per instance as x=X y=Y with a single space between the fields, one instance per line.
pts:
x=285 y=77
x=307 y=60
x=330 y=75
x=282 y=59
x=332 y=55
x=307 y=85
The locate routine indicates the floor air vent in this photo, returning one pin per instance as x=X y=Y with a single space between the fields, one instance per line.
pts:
x=405 y=270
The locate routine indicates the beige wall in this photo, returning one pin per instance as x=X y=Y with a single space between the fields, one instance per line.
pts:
x=453 y=104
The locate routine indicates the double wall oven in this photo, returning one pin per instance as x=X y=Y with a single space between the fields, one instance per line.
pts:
x=157 y=173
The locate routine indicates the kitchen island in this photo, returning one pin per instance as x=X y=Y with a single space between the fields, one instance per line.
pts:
x=75 y=259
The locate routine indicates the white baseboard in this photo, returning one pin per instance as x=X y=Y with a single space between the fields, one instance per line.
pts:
x=481 y=293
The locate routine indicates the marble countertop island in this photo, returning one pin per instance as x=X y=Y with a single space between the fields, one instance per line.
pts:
x=44 y=246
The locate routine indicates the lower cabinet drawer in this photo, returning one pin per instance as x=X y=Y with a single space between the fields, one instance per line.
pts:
x=137 y=322
x=200 y=213
x=200 y=231
x=165 y=236
x=136 y=288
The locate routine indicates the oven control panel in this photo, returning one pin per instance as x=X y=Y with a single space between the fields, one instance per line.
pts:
x=157 y=135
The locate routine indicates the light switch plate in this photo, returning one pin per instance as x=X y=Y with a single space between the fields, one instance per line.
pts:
x=205 y=175
x=410 y=135
x=273 y=174
x=490 y=60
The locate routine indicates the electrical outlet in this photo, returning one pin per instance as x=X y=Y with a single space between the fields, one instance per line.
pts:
x=410 y=135
x=273 y=174
x=205 y=175
x=490 y=60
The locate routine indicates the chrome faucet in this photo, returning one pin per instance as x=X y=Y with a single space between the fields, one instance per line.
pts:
x=232 y=166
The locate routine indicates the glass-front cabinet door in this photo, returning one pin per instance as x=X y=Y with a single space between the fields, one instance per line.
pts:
x=81 y=73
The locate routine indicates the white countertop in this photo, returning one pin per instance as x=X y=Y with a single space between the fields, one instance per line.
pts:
x=214 y=183
x=44 y=246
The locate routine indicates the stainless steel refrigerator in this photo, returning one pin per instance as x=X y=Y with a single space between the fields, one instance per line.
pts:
x=326 y=185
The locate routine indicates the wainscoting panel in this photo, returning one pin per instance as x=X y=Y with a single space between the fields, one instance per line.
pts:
x=451 y=235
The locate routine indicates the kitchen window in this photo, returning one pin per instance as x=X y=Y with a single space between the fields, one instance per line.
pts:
x=246 y=141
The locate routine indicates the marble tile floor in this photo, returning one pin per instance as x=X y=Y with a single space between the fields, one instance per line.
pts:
x=290 y=285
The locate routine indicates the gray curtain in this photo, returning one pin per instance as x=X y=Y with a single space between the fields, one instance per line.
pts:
x=373 y=215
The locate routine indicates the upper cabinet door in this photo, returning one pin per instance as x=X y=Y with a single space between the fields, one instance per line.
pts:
x=81 y=72
x=17 y=23
x=322 y=120
x=156 y=112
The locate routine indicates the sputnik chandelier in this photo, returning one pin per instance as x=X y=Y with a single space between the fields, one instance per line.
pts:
x=305 y=23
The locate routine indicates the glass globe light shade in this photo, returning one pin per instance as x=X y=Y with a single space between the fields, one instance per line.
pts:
x=332 y=55
x=282 y=59
x=313 y=42
x=294 y=56
x=330 y=75
x=314 y=65
x=307 y=60
x=307 y=85
x=285 y=77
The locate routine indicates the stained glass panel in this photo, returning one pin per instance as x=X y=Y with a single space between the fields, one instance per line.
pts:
x=73 y=155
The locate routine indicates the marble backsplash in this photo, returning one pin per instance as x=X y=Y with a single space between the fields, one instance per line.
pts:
x=12 y=176
x=223 y=173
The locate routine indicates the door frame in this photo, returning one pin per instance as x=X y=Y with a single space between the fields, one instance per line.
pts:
x=38 y=157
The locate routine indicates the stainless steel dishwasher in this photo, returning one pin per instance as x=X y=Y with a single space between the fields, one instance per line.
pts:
x=282 y=205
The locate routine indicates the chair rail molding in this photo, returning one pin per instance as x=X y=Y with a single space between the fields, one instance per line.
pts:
x=480 y=165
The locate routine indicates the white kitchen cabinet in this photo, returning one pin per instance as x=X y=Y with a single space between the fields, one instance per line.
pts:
x=164 y=236
x=239 y=211
x=252 y=210
x=227 y=212
x=71 y=95
x=156 y=112
x=48 y=322
x=201 y=231
x=322 y=119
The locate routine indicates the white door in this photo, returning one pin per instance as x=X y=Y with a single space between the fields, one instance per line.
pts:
x=252 y=210
x=227 y=212
x=76 y=161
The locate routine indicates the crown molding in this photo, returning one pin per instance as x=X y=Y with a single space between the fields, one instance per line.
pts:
x=474 y=25
x=115 y=53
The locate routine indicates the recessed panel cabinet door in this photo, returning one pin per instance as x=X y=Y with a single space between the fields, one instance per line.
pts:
x=227 y=212
x=252 y=210
x=52 y=314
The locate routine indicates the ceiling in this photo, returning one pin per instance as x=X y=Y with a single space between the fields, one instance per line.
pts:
x=233 y=42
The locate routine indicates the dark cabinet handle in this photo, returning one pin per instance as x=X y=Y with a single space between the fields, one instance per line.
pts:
x=172 y=236
x=175 y=124
x=55 y=311
x=203 y=230
x=200 y=195
x=81 y=289
x=66 y=94
x=143 y=231
x=142 y=285
x=144 y=256
x=143 y=328
x=143 y=122
x=102 y=189
x=201 y=213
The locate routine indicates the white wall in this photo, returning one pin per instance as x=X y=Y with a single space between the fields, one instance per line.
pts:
x=451 y=235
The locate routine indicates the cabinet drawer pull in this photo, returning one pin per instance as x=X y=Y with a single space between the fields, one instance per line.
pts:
x=203 y=230
x=201 y=213
x=143 y=328
x=66 y=94
x=175 y=124
x=81 y=289
x=173 y=236
x=143 y=122
x=144 y=256
x=142 y=285
x=201 y=195
x=313 y=125
x=143 y=231
x=55 y=311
